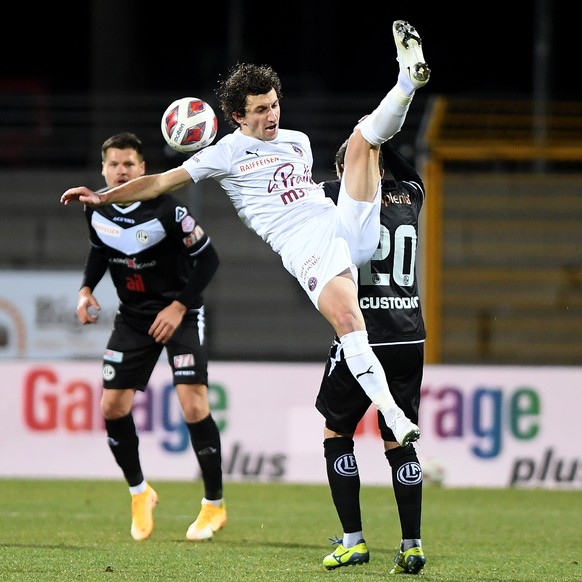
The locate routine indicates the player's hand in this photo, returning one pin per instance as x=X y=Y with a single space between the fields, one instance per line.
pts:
x=82 y=194
x=167 y=321
x=85 y=305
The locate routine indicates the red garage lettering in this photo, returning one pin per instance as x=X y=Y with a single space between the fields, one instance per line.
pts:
x=50 y=405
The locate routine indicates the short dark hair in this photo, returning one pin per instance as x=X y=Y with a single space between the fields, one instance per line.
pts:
x=123 y=141
x=245 y=79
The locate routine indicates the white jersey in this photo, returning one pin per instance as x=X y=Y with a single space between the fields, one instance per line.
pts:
x=271 y=187
x=268 y=182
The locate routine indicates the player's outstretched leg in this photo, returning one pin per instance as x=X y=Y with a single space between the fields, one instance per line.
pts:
x=404 y=430
x=387 y=119
x=409 y=53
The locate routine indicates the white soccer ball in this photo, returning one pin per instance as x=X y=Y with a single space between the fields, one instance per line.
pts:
x=433 y=471
x=189 y=124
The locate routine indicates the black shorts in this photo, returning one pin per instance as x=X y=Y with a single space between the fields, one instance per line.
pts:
x=342 y=401
x=132 y=354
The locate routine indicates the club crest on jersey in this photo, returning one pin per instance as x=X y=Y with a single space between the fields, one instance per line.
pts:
x=142 y=236
x=184 y=361
x=312 y=283
x=297 y=149
x=108 y=372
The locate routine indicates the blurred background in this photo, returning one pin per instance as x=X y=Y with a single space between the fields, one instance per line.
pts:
x=497 y=135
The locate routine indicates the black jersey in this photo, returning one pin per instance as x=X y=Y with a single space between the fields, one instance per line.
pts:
x=388 y=286
x=155 y=251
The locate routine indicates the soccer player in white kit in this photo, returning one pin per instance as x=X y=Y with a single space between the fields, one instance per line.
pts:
x=266 y=172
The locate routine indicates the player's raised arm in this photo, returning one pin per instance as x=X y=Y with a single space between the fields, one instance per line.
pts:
x=142 y=188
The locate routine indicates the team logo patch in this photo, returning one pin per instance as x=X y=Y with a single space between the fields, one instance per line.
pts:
x=113 y=356
x=142 y=236
x=346 y=465
x=181 y=213
x=184 y=361
x=108 y=372
x=188 y=224
x=312 y=283
x=409 y=474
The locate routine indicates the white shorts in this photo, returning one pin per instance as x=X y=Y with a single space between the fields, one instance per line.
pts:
x=344 y=237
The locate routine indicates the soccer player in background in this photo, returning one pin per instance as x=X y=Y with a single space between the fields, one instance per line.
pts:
x=389 y=298
x=160 y=260
x=266 y=172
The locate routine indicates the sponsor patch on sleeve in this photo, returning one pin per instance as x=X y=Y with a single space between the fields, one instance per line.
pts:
x=113 y=356
x=188 y=224
x=184 y=361
x=193 y=237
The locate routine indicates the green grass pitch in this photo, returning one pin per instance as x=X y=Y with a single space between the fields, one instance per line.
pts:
x=77 y=530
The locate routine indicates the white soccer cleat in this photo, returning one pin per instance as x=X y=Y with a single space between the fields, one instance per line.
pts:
x=409 y=53
x=405 y=431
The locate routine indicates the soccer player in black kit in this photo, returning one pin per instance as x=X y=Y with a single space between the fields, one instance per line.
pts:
x=388 y=296
x=160 y=260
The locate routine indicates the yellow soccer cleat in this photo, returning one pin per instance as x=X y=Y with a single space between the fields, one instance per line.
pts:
x=341 y=556
x=411 y=561
x=210 y=519
x=142 y=519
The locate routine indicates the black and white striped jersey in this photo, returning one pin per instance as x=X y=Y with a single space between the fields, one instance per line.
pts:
x=155 y=251
x=388 y=287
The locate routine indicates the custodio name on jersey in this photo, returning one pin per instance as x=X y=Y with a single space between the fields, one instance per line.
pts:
x=389 y=302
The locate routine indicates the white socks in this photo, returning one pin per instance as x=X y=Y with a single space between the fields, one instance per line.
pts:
x=350 y=540
x=367 y=370
x=216 y=502
x=388 y=118
x=138 y=488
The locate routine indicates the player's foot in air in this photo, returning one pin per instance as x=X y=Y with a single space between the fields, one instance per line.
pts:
x=142 y=519
x=210 y=519
x=405 y=431
x=341 y=556
x=411 y=561
x=409 y=53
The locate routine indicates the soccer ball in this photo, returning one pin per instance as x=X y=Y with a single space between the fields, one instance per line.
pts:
x=433 y=471
x=189 y=124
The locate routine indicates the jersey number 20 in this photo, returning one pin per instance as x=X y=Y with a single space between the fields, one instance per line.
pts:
x=374 y=271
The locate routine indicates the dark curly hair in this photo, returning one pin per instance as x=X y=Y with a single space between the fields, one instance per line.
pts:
x=245 y=79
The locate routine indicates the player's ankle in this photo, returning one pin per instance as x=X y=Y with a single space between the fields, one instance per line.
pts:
x=405 y=84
